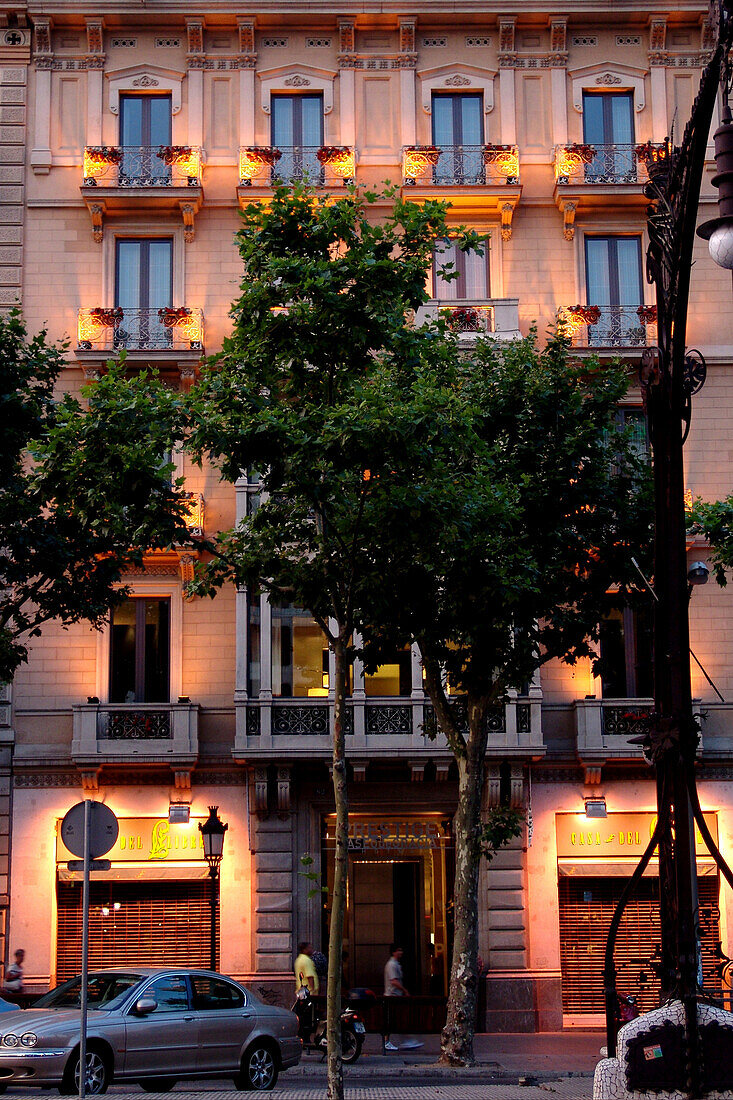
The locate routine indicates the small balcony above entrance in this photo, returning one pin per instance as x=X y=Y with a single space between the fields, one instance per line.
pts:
x=127 y=732
x=610 y=729
x=171 y=334
x=124 y=179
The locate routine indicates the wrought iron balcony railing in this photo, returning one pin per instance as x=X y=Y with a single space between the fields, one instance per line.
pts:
x=319 y=165
x=458 y=165
x=139 y=731
x=609 y=326
x=116 y=328
x=599 y=164
x=142 y=166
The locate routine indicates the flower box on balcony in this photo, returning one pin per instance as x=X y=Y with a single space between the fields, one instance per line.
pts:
x=340 y=159
x=505 y=158
x=570 y=159
x=108 y=318
x=173 y=154
x=647 y=315
x=418 y=160
x=170 y=316
x=463 y=319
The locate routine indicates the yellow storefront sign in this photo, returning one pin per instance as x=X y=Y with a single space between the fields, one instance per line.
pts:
x=619 y=834
x=148 y=839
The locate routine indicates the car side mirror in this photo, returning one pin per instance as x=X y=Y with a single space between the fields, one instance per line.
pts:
x=146 y=1004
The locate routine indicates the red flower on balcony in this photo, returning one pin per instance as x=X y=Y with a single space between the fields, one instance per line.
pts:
x=647 y=315
x=110 y=318
x=170 y=316
x=104 y=154
x=586 y=315
x=263 y=154
x=463 y=319
x=328 y=153
x=171 y=154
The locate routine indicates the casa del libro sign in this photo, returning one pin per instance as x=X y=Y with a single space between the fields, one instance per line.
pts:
x=150 y=840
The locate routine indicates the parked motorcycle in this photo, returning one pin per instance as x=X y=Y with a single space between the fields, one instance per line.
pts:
x=312 y=1028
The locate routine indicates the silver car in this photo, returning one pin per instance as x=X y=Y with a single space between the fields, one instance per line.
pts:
x=153 y=1026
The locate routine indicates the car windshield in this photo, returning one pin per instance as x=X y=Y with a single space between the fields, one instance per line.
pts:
x=105 y=991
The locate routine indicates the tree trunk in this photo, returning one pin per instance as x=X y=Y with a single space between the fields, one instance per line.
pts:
x=456 y=1043
x=341 y=866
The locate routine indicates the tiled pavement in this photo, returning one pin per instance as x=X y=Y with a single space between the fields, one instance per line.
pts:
x=566 y=1089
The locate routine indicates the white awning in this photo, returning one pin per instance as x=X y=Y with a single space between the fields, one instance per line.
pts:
x=139 y=872
x=621 y=868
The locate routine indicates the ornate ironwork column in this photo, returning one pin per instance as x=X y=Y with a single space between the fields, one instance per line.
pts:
x=670 y=375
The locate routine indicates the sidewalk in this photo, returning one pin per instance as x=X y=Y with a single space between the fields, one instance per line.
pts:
x=542 y=1057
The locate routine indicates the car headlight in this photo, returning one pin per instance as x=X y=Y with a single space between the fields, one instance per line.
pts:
x=10 y=1040
x=29 y=1039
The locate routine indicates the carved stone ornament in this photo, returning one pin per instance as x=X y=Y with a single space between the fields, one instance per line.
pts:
x=95 y=41
x=608 y=79
x=260 y=791
x=296 y=81
x=283 y=791
x=347 y=42
x=145 y=81
x=457 y=81
x=43 y=36
x=558 y=35
x=407 y=36
x=246 y=36
x=568 y=212
x=506 y=35
x=195 y=31
x=90 y=781
x=657 y=35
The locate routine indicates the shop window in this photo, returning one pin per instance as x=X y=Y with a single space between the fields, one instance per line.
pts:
x=394 y=677
x=472 y=268
x=299 y=654
x=458 y=130
x=140 y=651
x=627 y=653
x=297 y=131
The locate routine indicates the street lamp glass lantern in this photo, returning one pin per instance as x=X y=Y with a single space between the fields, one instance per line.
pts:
x=212 y=834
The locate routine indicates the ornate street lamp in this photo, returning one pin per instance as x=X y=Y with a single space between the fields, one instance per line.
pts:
x=670 y=375
x=212 y=835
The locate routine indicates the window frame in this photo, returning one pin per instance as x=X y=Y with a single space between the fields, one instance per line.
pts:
x=146 y=99
x=140 y=604
x=460 y=282
x=163 y=587
x=613 y=271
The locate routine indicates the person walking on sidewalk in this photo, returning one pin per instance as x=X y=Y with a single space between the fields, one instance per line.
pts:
x=306 y=975
x=394 y=987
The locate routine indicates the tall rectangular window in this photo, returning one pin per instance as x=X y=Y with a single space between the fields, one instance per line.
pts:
x=299 y=654
x=143 y=285
x=458 y=130
x=140 y=651
x=297 y=131
x=394 y=677
x=614 y=282
x=608 y=125
x=627 y=653
x=145 y=126
x=253 y=644
x=472 y=269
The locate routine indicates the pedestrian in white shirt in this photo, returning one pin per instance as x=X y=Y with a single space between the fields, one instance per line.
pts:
x=395 y=987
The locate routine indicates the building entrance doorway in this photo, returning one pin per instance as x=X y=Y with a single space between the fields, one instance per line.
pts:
x=399 y=890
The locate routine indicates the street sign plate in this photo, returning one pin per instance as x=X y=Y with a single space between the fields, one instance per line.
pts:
x=103 y=829
x=94 y=865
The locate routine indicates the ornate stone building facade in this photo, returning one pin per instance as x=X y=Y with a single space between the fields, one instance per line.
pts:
x=128 y=143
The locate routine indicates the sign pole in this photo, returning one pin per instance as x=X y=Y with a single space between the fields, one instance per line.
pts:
x=84 y=952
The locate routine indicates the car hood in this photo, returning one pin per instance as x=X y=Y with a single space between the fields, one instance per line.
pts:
x=47 y=1020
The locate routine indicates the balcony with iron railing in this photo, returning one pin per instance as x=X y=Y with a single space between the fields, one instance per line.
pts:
x=498 y=317
x=265 y=166
x=476 y=179
x=460 y=165
x=609 y=327
x=129 y=179
x=167 y=334
x=600 y=177
x=612 y=729
x=143 y=732
x=375 y=726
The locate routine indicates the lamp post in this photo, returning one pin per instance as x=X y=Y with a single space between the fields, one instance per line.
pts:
x=212 y=835
x=670 y=375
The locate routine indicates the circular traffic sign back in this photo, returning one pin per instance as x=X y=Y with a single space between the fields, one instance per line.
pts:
x=103 y=829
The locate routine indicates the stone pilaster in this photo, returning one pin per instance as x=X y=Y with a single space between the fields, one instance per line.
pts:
x=14 y=58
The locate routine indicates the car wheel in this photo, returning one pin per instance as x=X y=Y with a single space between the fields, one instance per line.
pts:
x=97 y=1076
x=259 y=1069
x=157 y=1084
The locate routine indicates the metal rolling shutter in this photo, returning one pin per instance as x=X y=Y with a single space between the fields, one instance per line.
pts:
x=155 y=924
x=586 y=909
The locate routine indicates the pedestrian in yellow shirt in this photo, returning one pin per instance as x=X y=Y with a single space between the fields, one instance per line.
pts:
x=305 y=969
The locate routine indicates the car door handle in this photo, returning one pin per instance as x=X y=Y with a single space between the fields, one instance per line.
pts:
x=189 y=1019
